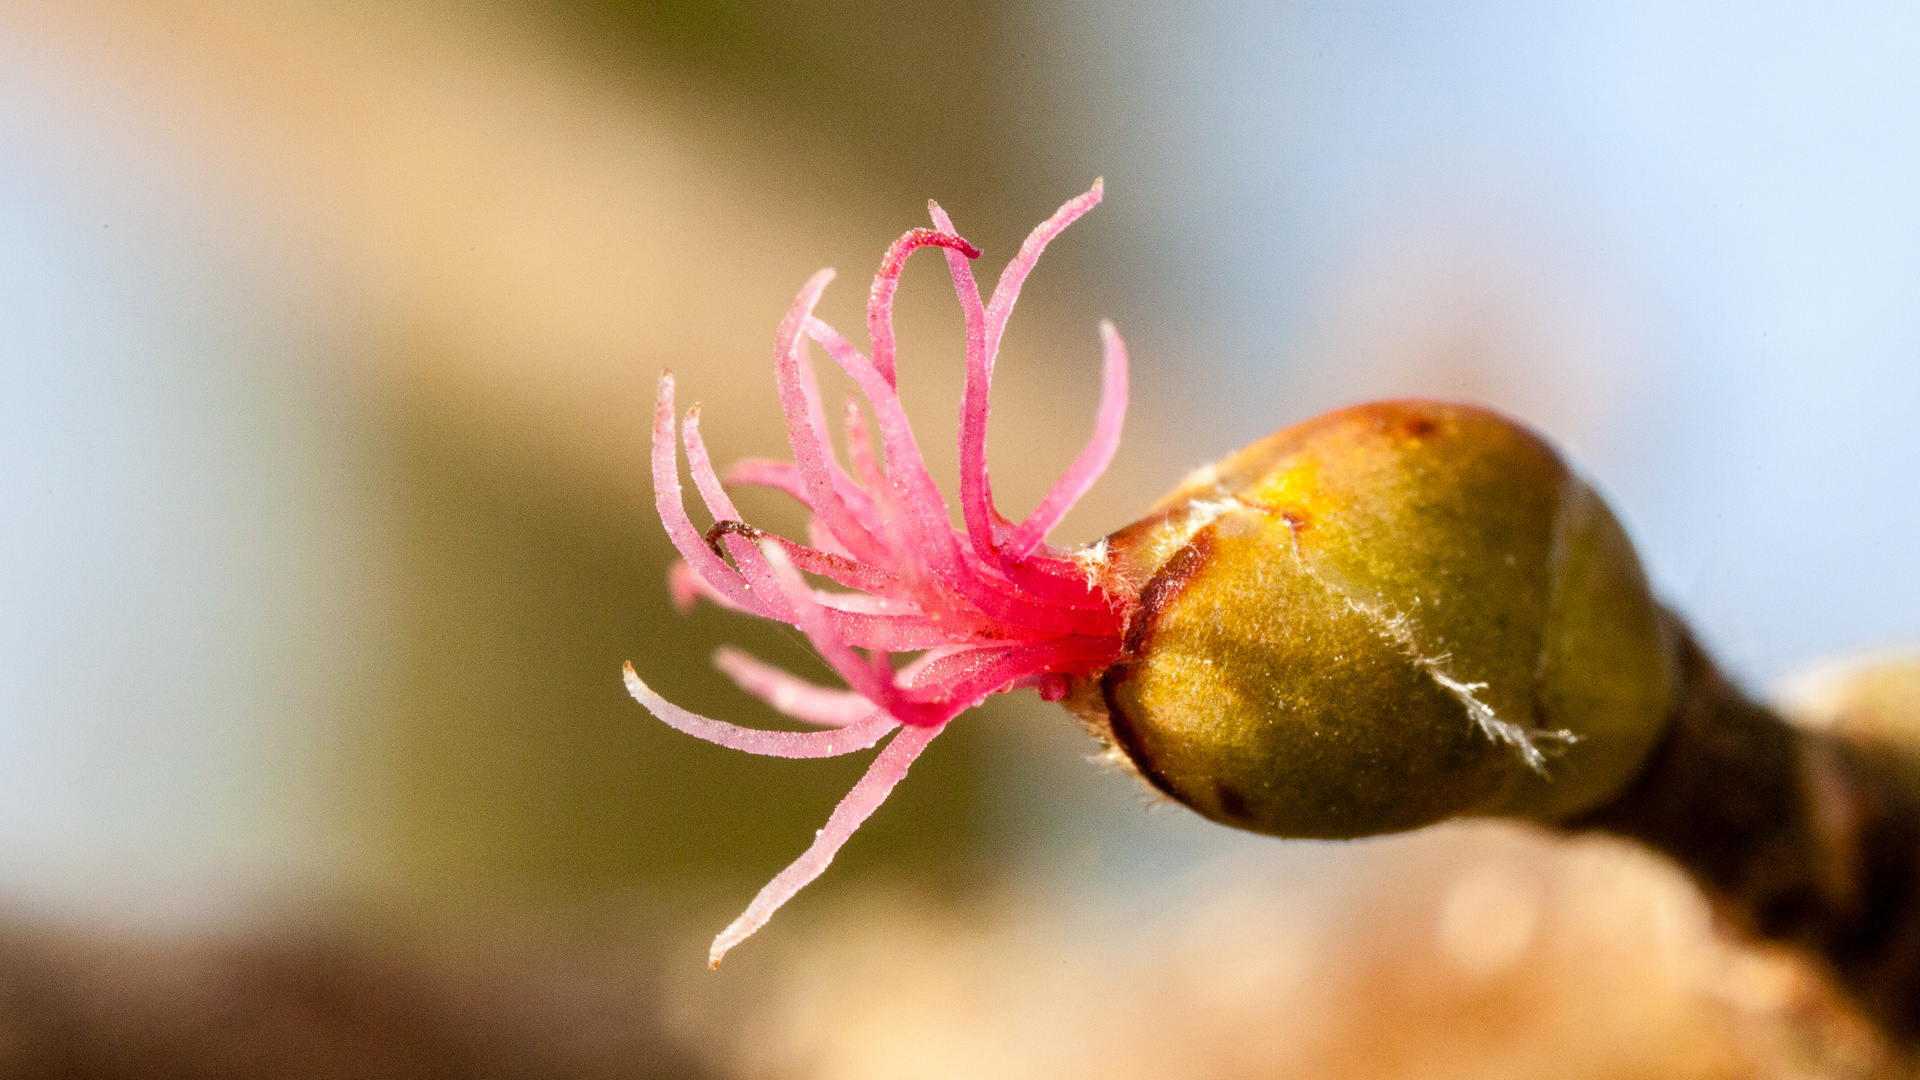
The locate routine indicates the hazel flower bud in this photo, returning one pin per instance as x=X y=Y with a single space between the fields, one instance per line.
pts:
x=1384 y=617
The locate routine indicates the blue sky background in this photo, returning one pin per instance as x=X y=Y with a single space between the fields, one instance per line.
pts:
x=1691 y=233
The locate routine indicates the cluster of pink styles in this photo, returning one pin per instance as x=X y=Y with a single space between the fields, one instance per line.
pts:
x=979 y=610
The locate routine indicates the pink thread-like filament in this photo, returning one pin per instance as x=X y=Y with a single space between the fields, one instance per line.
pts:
x=887 y=770
x=987 y=607
x=832 y=742
x=791 y=694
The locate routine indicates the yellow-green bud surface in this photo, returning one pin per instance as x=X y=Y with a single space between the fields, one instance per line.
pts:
x=1381 y=618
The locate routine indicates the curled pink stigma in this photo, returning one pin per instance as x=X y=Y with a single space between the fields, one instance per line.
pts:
x=981 y=609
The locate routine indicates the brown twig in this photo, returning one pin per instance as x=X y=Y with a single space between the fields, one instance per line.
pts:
x=1809 y=838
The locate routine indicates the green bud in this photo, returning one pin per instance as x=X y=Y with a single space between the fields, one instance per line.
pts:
x=1381 y=618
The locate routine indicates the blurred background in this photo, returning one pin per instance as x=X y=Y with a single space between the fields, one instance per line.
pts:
x=328 y=336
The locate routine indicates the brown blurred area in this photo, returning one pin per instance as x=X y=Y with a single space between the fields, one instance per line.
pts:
x=1463 y=951
x=513 y=215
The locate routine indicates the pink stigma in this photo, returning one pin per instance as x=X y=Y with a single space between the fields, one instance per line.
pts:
x=987 y=608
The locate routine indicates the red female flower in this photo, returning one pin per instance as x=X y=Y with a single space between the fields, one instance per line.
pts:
x=987 y=608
